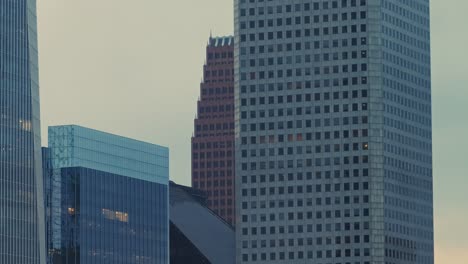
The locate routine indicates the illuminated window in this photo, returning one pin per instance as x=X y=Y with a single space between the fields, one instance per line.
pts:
x=71 y=211
x=115 y=215
x=299 y=137
x=108 y=214
x=122 y=217
x=25 y=125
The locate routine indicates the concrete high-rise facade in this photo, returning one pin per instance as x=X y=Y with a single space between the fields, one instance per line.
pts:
x=21 y=195
x=213 y=140
x=333 y=132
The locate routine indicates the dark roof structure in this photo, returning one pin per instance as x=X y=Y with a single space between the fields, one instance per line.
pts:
x=197 y=233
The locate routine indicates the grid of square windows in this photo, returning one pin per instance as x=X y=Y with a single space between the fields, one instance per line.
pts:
x=303 y=124
x=307 y=82
x=213 y=140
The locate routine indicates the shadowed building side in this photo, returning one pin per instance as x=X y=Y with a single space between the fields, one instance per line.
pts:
x=197 y=234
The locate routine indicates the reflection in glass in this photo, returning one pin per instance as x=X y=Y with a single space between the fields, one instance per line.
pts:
x=22 y=238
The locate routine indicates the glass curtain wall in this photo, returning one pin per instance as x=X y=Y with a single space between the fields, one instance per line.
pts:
x=21 y=206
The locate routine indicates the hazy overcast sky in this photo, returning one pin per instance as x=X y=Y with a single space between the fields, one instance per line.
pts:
x=133 y=67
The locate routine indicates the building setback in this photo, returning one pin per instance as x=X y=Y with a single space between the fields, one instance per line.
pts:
x=213 y=140
x=333 y=132
x=107 y=198
x=21 y=192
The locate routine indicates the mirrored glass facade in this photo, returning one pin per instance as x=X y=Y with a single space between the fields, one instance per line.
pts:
x=76 y=146
x=21 y=202
x=109 y=218
x=107 y=198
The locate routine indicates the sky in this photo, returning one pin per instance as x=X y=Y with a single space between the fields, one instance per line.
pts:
x=134 y=68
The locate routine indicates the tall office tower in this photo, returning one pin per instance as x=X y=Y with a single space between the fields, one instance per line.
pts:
x=108 y=198
x=213 y=142
x=21 y=206
x=333 y=132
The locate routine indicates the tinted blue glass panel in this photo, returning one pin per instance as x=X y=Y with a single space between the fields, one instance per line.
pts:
x=21 y=206
x=75 y=146
x=107 y=198
x=108 y=218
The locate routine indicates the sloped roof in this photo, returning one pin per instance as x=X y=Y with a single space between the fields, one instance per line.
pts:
x=212 y=236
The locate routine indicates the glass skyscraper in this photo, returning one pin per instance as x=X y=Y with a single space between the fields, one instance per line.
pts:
x=21 y=202
x=333 y=132
x=107 y=198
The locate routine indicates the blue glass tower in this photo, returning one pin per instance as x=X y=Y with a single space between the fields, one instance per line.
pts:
x=107 y=198
x=21 y=207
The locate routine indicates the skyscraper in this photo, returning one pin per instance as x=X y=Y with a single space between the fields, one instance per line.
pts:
x=213 y=141
x=333 y=132
x=107 y=198
x=21 y=202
